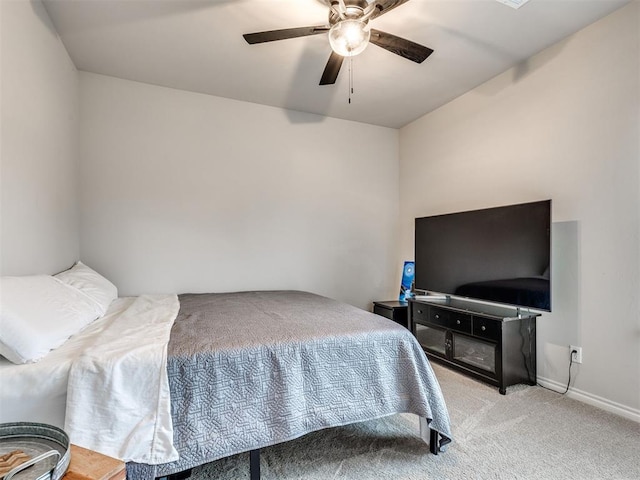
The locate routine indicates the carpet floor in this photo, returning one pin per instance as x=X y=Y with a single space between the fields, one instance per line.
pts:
x=530 y=433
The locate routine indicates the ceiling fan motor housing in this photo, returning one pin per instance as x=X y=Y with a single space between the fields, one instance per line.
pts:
x=354 y=10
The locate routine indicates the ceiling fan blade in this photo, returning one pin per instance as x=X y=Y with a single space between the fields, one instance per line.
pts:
x=384 y=6
x=273 y=35
x=400 y=46
x=332 y=69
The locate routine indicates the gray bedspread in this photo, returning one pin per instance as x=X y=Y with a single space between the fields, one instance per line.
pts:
x=252 y=369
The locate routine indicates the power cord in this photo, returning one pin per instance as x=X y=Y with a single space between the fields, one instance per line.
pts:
x=570 y=365
x=569 y=381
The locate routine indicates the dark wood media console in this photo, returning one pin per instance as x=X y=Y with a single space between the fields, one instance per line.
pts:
x=493 y=344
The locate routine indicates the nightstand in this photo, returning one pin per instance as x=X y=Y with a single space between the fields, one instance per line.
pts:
x=393 y=310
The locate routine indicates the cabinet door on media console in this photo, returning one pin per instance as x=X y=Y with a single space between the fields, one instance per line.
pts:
x=433 y=340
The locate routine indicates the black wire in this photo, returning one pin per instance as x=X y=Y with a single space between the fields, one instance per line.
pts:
x=570 y=364
x=569 y=382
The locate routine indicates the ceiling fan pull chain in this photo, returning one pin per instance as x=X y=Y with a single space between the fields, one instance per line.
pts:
x=351 y=64
x=350 y=78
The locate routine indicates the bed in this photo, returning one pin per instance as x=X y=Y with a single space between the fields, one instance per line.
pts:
x=251 y=369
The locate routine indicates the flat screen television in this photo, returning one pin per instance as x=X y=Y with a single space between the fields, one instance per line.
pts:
x=500 y=254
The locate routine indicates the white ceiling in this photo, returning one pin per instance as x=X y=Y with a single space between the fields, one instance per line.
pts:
x=197 y=45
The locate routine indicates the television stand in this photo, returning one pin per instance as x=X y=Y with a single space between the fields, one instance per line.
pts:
x=494 y=344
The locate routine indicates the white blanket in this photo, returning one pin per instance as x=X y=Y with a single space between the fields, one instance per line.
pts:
x=118 y=400
x=37 y=392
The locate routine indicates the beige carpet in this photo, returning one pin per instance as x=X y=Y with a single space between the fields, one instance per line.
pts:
x=530 y=433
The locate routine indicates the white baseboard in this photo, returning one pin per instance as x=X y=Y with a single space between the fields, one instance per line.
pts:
x=591 y=399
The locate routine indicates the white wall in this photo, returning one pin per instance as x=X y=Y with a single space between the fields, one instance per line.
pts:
x=564 y=125
x=39 y=145
x=184 y=192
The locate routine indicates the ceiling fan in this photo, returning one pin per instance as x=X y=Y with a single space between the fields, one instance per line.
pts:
x=349 y=34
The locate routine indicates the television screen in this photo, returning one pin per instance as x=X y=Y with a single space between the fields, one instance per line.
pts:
x=500 y=254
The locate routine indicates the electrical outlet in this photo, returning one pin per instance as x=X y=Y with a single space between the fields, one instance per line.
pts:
x=576 y=355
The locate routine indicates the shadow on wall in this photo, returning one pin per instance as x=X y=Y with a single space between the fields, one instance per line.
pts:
x=522 y=70
x=531 y=64
x=561 y=328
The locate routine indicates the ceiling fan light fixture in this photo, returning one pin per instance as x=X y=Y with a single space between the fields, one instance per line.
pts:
x=349 y=37
x=349 y=34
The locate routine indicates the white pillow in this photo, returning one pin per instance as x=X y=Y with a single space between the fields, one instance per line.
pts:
x=39 y=313
x=100 y=290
